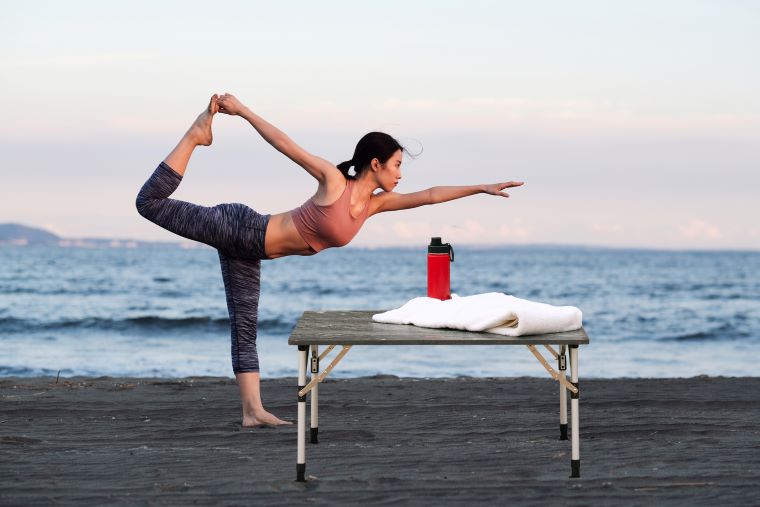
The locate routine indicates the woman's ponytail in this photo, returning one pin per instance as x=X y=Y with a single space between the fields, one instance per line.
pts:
x=344 y=167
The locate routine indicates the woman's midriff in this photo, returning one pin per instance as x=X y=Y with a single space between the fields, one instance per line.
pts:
x=282 y=238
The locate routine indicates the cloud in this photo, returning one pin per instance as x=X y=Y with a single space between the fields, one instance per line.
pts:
x=607 y=227
x=469 y=232
x=501 y=109
x=79 y=60
x=568 y=116
x=514 y=231
x=698 y=229
x=412 y=230
x=516 y=104
x=55 y=229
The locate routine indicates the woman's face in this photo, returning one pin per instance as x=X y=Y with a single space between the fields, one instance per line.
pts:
x=390 y=172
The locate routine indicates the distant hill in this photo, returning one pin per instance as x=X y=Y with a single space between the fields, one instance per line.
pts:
x=24 y=235
x=17 y=234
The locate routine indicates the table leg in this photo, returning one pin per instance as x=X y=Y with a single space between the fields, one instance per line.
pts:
x=301 y=457
x=562 y=368
x=575 y=459
x=314 y=420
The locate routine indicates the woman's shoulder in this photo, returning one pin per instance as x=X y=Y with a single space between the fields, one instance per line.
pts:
x=376 y=201
x=330 y=190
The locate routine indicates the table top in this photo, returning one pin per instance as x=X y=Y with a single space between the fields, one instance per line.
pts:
x=357 y=328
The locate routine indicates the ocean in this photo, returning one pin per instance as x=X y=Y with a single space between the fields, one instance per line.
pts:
x=159 y=311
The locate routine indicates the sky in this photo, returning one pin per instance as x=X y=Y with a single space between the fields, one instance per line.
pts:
x=633 y=124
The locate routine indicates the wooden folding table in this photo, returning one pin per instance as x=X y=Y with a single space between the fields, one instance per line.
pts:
x=349 y=328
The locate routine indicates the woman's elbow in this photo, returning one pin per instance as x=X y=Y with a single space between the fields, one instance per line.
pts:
x=432 y=197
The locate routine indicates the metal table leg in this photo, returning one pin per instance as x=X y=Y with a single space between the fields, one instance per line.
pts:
x=562 y=367
x=301 y=457
x=575 y=459
x=314 y=420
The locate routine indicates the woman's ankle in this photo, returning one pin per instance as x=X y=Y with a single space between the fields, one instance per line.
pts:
x=253 y=409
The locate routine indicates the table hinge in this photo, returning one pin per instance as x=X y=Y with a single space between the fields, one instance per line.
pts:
x=314 y=363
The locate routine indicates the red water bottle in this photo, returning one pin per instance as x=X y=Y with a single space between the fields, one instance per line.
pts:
x=440 y=257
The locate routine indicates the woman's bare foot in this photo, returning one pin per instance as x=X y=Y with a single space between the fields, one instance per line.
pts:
x=200 y=130
x=263 y=418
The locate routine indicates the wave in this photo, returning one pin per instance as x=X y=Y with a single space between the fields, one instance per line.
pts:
x=25 y=371
x=146 y=323
x=726 y=297
x=726 y=332
x=57 y=291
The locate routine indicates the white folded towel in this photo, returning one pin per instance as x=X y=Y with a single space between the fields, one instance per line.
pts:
x=493 y=312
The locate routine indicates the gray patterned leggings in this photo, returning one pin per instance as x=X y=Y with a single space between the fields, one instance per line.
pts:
x=237 y=232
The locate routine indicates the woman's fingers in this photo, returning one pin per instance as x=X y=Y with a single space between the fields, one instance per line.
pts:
x=227 y=103
x=507 y=184
x=498 y=188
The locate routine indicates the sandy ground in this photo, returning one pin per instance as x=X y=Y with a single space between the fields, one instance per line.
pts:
x=383 y=441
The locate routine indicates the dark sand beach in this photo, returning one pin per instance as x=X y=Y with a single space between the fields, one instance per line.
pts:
x=383 y=441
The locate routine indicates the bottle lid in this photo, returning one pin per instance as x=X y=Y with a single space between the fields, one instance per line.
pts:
x=436 y=246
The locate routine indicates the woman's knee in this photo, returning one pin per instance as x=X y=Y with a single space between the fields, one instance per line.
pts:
x=149 y=207
x=161 y=184
x=142 y=203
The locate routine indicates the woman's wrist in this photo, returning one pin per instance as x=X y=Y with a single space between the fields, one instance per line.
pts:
x=246 y=113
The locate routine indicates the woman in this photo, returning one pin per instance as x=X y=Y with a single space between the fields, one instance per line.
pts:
x=243 y=237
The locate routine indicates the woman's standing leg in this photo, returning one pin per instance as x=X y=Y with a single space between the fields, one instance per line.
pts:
x=242 y=278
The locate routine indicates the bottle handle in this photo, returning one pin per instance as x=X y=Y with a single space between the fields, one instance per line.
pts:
x=451 y=253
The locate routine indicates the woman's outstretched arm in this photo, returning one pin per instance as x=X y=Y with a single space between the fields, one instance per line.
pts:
x=316 y=166
x=392 y=201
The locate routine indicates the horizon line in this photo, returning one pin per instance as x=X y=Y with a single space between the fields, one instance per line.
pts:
x=95 y=242
x=121 y=242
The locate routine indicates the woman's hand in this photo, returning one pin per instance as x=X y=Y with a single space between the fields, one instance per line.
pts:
x=229 y=104
x=498 y=188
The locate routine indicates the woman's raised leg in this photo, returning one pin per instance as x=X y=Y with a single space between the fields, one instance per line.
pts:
x=227 y=227
x=153 y=203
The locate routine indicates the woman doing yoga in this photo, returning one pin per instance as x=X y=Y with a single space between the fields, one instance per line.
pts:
x=243 y=237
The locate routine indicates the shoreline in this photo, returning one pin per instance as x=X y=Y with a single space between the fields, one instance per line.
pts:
x=383 y=439
x=102 y=243
x=52 y=380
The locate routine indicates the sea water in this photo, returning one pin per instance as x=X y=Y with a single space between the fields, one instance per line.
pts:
x=159 y=311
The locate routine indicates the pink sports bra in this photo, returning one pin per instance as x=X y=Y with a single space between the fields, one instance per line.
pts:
x=332 y=225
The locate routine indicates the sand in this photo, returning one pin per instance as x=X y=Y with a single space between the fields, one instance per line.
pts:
x=383 y=441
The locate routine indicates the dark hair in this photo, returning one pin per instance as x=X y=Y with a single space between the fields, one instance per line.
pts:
x=373 y=145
